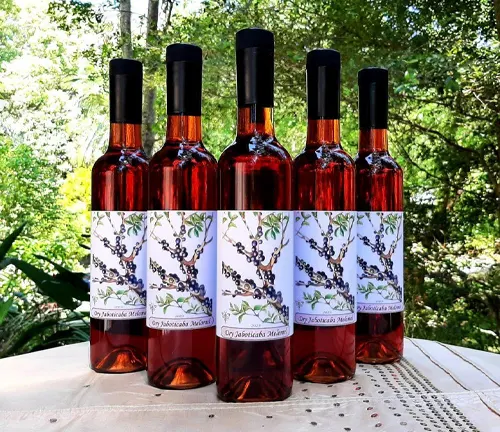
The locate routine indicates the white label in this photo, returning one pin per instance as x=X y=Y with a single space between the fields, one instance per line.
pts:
x=254 y=277
x=325 y=268
x=181 y=269
x=118 y=265
x=380 y=262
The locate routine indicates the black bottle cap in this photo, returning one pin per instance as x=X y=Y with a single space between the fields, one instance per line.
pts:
x=373 y=101
x=323 y=84
x=255 y=67
x=125 y=91
x=184 y=69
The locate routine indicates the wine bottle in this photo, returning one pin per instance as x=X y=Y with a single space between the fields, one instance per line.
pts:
x=118 y=232
x=182 y=236
x=379 y=202
x=323 y=343
x=255 y=239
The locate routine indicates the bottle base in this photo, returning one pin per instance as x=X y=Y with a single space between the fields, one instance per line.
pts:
x=181 y=374
x=120 y=360
x=253 y=389
x=377 y=352
x=323 y=370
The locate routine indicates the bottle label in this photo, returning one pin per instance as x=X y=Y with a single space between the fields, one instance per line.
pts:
x=181 y=269
x=254 y=277
x=118 y=265
x=325 y=268
x=380 y=262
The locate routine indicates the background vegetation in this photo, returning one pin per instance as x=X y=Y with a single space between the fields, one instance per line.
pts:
x=444 y=61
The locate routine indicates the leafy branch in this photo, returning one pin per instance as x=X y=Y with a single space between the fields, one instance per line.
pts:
x=338 y=225
x=271 y=226
x=125 y=275
x=384 y=291
x=389 y=224
x=192 y=226
x=124 y=296
x=330 y=300
x=255 y=311
x=183 y=303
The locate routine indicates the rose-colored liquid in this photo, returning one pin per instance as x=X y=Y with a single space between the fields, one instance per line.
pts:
x=379 y=187
x=324 y=180
x=183 y=176
x=119 y=182
x=255 y=174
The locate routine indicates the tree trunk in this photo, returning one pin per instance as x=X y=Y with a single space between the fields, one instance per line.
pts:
x=126 y=28
x=149 y=114
x=496 y=6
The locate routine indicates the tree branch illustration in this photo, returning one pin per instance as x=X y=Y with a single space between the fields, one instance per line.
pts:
x=192 y=226
x=339 y=224
x=383 y=273
x=126 y=275
x=273 y=226
x=330 y=300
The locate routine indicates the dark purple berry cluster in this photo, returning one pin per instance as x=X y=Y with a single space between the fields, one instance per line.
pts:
x=191 y=271
x=256 y=256
x=228 y=272
x=130 y=266
x=385 y=273
x=191 y=285
x=321 y=278
x=276 y=298
x=179 y=252
x=100 y=265
x=351 y=300
x=264 y=272
x=302 y=265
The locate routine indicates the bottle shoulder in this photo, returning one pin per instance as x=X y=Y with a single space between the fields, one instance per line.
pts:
x=324 y=157
x=174 y=152
x=377 y=161
x=251 y=148
x=121 y=159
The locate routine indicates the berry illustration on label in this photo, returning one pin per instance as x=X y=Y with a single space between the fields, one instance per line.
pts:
x=380 y=261
x=324 y=286
x=118 y=270
x=260 y=301
x=180 y=239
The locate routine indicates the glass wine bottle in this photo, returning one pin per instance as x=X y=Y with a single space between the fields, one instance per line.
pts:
x=182 y=236
x=323 y=343
x=255 y=239
x=379 y=202
x=118 y=234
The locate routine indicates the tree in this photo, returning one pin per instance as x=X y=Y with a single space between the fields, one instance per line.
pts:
x=126 y=29
x=148 y=118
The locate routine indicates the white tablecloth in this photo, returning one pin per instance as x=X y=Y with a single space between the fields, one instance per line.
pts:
x=436 y=387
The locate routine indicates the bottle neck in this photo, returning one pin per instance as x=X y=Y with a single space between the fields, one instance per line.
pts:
x=321 y=132
x=125 y=136
x=182 y=128
x=255 y=120
x=373 y=140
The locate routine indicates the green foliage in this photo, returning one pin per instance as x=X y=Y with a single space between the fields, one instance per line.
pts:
x=9 y=31
x=48 y=316
x=30 y=188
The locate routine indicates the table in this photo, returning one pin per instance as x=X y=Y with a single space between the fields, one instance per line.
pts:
x=436 y=387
